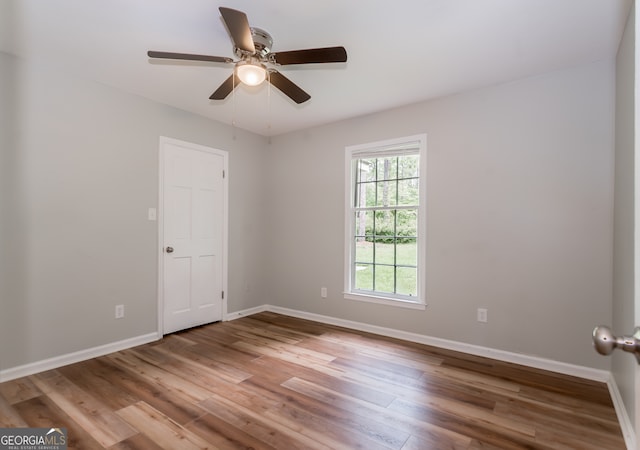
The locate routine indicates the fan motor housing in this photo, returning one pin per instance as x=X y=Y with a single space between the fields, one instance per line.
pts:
x=262 y=41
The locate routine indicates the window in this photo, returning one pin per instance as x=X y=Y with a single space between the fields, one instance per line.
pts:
x=385 y=222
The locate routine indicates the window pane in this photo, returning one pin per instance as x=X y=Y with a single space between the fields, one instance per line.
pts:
x=387 y=168
x=385 y=225
x=407 y=223
x=364 y=277
x=364 y=223
x=384 y=252
x=407 y=253
x=408 y=166
x=387 y=193
x=408 y=192
x=365 y=194
x=364 y=251
x=358 y=198
x=384 y=279
x=366 y=170
x=407 y=281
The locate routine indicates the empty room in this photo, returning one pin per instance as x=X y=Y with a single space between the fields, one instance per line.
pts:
x=311 y=225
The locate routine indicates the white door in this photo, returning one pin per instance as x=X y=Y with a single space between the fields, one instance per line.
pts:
x=193 y=198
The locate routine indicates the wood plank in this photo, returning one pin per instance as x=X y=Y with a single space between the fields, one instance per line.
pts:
x=274 y=334
x=221 y=354
x=256 y=426
x=425 y=430
x=161 y=429
x=565 y=402
x=370 y=368
x=309 y=327
x=341 y=347
x=299 y=351
x=219 y=335
x=281 y=353
x=269 y=427
x=554 y=426
x=570 y=439
x=86 y=410
x=176 y=342
x=359 y=431
x=199 y=370
x=166 y=401
x=42 y=412
x=339 y=383
x=226 y=436
x=92 y=376
x=416 y=443
x=9 y=417
x=19 y=390
x=480 y=425
x=137 y=442
x=143 y=368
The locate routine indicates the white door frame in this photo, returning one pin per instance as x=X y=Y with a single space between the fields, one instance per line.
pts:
x=636 y=179
x=160 y=216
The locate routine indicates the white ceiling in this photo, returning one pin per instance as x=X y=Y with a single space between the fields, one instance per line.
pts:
x=399 y=52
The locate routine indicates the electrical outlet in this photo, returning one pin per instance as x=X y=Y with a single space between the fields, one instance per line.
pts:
x=119 y=311
x=323 y=292
x=482 y=315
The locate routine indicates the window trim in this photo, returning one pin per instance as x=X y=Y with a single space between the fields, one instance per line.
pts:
x=391 y=147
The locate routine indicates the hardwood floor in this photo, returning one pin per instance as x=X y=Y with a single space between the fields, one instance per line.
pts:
x=275 y=382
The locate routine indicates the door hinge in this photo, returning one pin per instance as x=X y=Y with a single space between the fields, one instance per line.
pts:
x=222 y=295
x=223 y=174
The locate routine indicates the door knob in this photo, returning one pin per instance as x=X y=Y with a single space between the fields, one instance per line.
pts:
x=169 y=250
x=605 y=342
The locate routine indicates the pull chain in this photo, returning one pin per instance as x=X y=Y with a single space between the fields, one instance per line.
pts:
x=233 y=105
x=269 y=103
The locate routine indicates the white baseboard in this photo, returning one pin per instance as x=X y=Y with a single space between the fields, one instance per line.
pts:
x=246 y=312
x=70 y=358
x=623 y=417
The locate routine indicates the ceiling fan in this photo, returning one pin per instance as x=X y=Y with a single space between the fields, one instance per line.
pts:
x=256 y=63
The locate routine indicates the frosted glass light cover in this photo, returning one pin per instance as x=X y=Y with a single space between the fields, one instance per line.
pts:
x=250 y=74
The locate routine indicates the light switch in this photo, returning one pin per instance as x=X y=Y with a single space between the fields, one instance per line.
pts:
x=152 y=214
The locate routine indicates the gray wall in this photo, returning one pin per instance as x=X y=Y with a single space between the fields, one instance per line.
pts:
x=519 y=205
x=79 y=168
x=623 y=365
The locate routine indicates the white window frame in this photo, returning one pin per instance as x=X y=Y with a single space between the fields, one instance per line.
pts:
x=391 y=147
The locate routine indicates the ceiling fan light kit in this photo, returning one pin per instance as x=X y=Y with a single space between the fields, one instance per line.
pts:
x=250 y=73
x=252 y=47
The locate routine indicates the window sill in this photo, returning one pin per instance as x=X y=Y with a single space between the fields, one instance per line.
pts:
x=385 y=301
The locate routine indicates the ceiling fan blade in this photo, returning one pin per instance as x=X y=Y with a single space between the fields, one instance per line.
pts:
x=225 y=88
x=238 y=26
x=288 y=87
x=188 y=56
x=311 y=56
